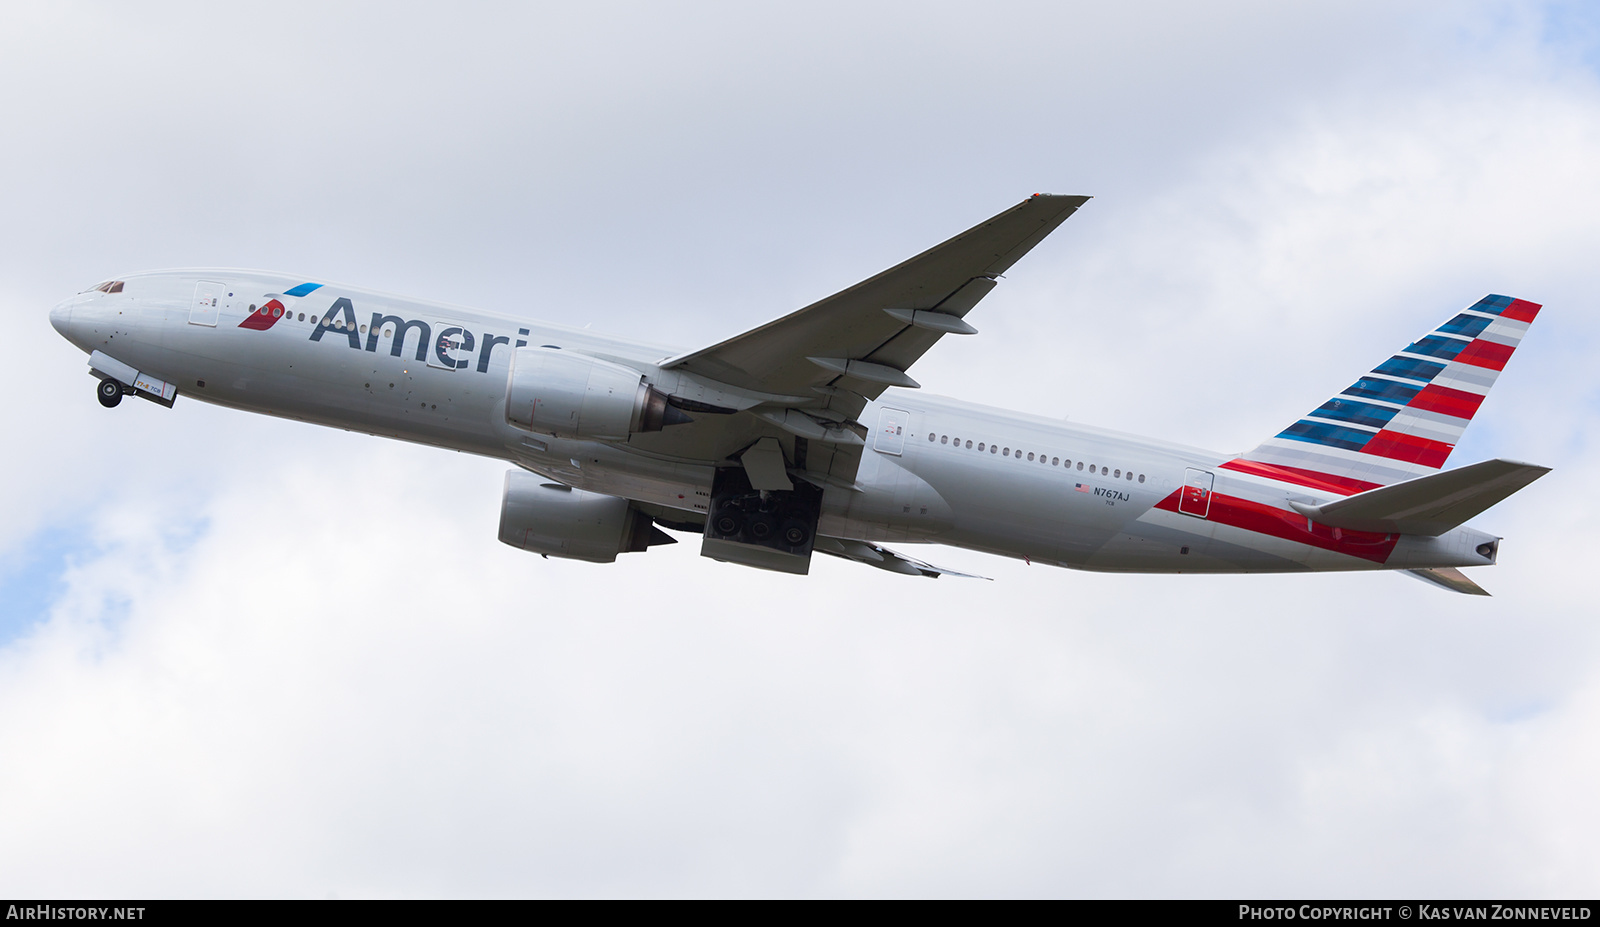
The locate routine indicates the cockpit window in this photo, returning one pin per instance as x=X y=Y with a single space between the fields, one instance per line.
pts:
x=110 y=286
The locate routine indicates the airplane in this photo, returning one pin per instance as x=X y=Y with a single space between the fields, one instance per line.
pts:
x=809 y=435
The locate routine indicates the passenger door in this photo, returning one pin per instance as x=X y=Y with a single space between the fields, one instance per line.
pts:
x=207 y=305
x=891 y=437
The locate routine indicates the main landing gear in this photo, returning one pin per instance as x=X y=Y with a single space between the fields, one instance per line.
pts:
x=109 y=393
x=783 y=521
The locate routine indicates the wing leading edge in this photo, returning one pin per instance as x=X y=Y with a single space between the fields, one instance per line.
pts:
x=852 y=345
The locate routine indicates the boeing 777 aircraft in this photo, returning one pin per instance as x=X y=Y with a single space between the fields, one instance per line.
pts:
x=809 y=435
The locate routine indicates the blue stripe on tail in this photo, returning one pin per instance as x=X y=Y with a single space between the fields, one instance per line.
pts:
x=1355 y=412
x=1332 y=435
x=1409 y=368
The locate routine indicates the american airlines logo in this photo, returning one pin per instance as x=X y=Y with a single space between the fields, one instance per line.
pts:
x=451 y=347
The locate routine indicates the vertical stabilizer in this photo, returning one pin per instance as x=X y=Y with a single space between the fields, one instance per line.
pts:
x=1404 y=417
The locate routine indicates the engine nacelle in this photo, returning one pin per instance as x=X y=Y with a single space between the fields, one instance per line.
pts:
x=548 y=518
x=571 y=395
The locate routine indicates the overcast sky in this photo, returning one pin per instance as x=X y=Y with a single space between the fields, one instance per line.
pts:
x=242 y=656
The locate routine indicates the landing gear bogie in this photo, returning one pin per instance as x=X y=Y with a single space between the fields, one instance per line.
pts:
x=783 y=521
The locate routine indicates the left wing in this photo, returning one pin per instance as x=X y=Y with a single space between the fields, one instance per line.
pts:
x=849 y=347
x=805 y=378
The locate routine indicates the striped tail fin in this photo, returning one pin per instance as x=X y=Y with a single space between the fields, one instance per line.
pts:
x=1402 y=419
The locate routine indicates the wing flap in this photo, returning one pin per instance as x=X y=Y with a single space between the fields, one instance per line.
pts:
x=1428 y=505
x=1449 y=578
x=884 y=559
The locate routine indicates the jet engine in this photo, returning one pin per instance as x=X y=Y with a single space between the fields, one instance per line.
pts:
x=558 y=521
x=569 y=395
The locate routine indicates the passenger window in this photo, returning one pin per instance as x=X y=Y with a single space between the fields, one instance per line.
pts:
x=1006 y=452
x=1055 y=461
x=302 y=316
x=1030 y=455
x=931 y=436
x=1141 y=477
x=1080 y=465
x=993 y=448
x=1130 y=474
x=980 y=445
x=944 y=439
x=277 y=312
x=1091 y=468
x=969 y=445
x=1117 y=475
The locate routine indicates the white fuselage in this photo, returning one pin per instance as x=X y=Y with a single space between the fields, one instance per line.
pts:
x=1053 y=492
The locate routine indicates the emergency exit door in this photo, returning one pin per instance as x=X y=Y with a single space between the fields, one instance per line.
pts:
x=1196 y=496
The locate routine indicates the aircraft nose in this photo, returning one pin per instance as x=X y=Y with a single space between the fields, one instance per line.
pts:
x=61 y=318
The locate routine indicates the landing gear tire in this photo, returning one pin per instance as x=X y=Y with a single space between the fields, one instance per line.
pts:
x=109 y=393
x=795 y=534
x=762 y=528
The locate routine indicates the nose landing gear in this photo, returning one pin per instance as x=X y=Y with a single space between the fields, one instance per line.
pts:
x=109 y=392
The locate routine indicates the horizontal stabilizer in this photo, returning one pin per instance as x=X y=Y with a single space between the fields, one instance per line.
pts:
x=1449 y=578
x=884 y=559
x=1429 y=505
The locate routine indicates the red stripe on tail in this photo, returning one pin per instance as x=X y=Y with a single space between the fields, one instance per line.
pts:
x=1443 y=399
x=1397 y=445
x=1520 y=310
x=1490 y=354
x=1311 y=479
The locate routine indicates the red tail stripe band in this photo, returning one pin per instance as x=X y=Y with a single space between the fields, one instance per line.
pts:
x=1397 y=445
x=1434 y=398
x=1520 y=310
x=1490 y=354
x=1311 y=479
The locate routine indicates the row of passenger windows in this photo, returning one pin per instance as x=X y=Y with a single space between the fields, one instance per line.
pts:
x=1116 y=474
x=337 y=323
